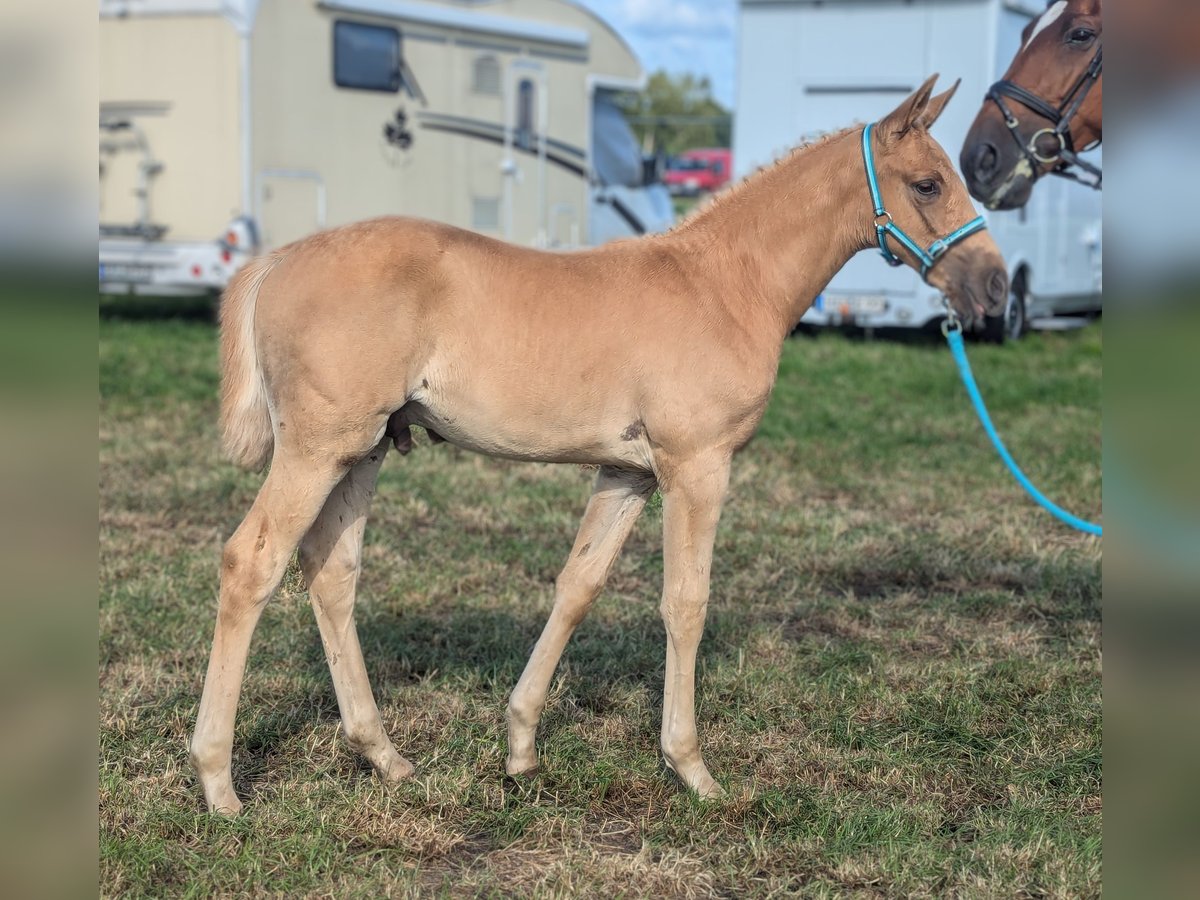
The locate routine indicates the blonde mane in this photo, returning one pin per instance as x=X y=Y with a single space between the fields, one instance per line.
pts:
x=734 y=190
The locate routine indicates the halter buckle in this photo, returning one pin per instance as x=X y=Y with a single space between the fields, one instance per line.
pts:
x=880 y=216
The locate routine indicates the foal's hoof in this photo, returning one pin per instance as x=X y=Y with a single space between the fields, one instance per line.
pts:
x=710 y=791
x=227 y=805
x=696 y=779
x=521 y=768
x=396 y=770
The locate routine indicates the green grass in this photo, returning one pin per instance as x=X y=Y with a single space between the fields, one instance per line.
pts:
x=899 y=683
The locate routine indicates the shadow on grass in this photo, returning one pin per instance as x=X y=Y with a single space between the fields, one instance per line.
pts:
x=928 y=335
x=489 y=647
x=136 y=307
x=264 y=736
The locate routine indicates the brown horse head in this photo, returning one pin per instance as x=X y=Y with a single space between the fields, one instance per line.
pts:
x=925 y=197
x=1002 y=160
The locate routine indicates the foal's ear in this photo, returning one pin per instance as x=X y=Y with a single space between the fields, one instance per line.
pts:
x=900 y=120
x=935 y=107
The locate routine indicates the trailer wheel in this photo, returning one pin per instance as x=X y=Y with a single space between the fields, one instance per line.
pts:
x=1012 y=324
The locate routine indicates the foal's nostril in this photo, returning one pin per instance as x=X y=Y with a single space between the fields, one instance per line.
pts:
x=997 y=288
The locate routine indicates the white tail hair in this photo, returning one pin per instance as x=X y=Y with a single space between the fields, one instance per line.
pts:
x=246 y=433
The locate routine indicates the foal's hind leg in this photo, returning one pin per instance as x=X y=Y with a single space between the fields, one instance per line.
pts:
x=330 y=556
x=253 y=564
x=616 y=502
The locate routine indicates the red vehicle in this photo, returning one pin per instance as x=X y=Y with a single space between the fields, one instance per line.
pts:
x=698 y=171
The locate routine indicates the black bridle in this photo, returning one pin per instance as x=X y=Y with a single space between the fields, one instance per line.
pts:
x=1063 y=156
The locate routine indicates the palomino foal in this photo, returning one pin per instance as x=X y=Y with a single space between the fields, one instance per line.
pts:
x=652 y=359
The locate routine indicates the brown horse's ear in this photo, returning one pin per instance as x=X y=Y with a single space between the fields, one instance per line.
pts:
x=935 y=107
x=900 y=120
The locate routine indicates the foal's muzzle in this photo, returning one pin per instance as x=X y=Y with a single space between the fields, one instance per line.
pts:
x=976 y=287
x=985 y=291
x=995 y=291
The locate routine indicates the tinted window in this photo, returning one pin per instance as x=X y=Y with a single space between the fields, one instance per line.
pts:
x=366 y=57
x=524 y=135
x=616 y=155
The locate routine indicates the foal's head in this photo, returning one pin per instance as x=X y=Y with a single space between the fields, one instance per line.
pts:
x=925 y=197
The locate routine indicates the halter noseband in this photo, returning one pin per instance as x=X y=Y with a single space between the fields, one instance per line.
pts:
x=928 y=258
x=1064 y=157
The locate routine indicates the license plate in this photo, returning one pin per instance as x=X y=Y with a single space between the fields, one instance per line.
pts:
x=858 y=305
x=127 y=273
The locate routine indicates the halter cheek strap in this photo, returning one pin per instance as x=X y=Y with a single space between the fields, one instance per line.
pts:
x=884 y=226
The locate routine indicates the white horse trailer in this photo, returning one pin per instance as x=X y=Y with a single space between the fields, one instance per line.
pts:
x=230 y=127
x=806 y=67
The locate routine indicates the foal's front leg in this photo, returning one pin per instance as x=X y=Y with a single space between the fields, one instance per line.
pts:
x=692 y=498
x=616 y=502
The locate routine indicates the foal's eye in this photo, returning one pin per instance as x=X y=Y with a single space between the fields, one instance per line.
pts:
x=1080 y=36
x=927 y=188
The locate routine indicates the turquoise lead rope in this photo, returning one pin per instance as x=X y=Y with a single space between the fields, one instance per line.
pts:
x=885 y=228
x=954 y=338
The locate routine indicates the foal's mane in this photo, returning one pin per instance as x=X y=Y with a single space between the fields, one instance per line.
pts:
x=735 y=191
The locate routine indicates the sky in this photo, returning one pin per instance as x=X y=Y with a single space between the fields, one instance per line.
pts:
x=679 y=36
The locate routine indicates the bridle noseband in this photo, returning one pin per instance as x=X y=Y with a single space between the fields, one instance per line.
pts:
x=1064 y=157
x=885 y=226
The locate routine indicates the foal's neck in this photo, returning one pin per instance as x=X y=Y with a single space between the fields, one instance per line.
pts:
x=784 y=232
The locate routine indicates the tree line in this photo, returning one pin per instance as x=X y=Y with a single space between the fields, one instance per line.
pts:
x=676 y=113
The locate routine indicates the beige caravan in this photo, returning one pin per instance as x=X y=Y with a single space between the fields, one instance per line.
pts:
x=229 y=127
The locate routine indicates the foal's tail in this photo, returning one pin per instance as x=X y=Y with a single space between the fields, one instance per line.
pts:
x=246 y=434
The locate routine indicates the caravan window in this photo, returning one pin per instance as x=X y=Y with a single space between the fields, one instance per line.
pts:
x=486 y=76
x=525 y=135
x=366 y=57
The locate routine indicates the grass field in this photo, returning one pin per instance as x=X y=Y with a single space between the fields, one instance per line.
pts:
x=899 y=683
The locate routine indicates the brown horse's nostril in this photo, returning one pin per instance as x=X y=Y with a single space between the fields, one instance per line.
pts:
x=997 y=289
x=986 y=161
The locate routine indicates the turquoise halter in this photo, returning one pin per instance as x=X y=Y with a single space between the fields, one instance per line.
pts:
x=928 y=258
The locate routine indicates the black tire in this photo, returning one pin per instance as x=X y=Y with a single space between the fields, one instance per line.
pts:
x=1014 y=322
x=1016 y=319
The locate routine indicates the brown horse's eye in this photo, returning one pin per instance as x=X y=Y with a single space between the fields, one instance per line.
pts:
x=927 y=188
x=1080 y=36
